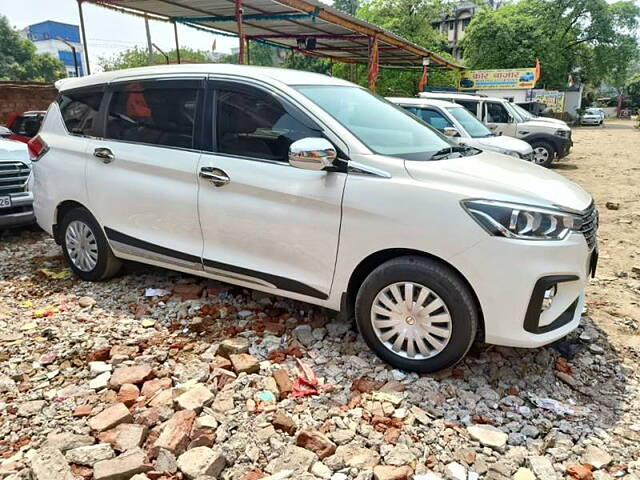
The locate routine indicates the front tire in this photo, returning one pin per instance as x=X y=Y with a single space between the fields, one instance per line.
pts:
x=543 y=153
x=416 y=314
x=85 y=247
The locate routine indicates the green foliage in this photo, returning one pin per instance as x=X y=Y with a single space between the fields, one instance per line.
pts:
x=19 y=60
x=588 y=38
x=139 y=57
x=347 y=6
x=259 y=54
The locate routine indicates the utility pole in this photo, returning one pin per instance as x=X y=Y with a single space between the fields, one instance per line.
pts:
x=149 y=44
x=73 y=51
x=84 y=38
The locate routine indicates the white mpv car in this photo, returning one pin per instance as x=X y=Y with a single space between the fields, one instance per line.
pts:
x=310 y=187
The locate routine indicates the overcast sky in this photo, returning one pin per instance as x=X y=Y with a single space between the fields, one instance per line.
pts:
x=108 y=32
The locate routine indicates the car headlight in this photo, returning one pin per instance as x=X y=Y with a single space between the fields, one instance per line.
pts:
x=563 y=133
x=512 y=153
x=523 y=222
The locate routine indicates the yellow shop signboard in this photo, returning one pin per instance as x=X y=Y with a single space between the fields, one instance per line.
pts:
x=497 y=79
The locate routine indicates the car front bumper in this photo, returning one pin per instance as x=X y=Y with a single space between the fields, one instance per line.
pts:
x=564 y=146
x=20 y=213
x=510 y=278
x=590 y=121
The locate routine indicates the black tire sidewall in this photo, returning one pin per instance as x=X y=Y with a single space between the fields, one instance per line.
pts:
x=442 y=281
x=549 y=148
x=104 y=251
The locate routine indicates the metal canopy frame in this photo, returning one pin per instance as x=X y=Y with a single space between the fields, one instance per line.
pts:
x=305 y=26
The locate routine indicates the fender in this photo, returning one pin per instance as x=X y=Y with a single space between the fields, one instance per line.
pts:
x=554 y=140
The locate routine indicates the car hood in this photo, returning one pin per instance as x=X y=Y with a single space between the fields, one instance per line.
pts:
x=499 y=144
x=536 y=123
x=500 y=177
x=554 y=121
x=11 y=151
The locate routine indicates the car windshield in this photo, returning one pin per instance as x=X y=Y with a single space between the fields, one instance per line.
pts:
x=383 y=127
x=474 y=127
x=523 y=113
x=515 y=114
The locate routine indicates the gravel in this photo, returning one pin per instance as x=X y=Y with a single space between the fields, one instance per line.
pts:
x=99 y=379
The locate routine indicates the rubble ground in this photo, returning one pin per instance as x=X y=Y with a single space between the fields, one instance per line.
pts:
x=156 y=375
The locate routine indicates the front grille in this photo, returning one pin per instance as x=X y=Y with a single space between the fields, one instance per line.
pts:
x=13 y=177
x=589 y=226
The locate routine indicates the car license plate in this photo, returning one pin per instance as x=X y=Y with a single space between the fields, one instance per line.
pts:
x=5 y=202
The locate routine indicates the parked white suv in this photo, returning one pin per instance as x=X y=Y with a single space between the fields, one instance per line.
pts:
x=312 y=188
x=550 y=140
x=462 y=127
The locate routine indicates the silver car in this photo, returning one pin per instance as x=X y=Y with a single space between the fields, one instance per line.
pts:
x=456 y=122
x=16 y=202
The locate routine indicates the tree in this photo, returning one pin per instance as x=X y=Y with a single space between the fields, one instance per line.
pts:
x=139 y=57
x=585 y=38
x=19 y=60
x=347 y=6
x=259 y=54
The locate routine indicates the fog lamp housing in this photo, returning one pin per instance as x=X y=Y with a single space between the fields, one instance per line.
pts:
x=549 y=295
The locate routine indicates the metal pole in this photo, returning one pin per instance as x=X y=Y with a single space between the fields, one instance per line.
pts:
x=84 y=38
x=240 y=32
x=149 y=44
x=175 y=33
x=166 y=57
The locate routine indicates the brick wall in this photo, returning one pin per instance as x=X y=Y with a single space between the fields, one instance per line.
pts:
x=22 y=96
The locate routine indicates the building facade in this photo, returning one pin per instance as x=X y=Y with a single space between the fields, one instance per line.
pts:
x=454 y=24
x=50 y=37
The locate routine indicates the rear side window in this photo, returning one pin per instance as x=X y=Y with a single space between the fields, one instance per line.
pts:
x=469 y=105
x=435 y=119
x=80 y=111
x=155 y=113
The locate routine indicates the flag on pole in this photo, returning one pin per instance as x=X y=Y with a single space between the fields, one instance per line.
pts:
x=423 y=78
x=536 y=75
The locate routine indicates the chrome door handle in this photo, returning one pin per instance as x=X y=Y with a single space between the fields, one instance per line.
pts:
x=215 y=175
x=105 y=154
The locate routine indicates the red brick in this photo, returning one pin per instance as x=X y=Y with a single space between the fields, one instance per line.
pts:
x=110 y=417
x=175 y=435
x=135 y=375
x=128 y=394
x=151 y=387
x=283 y=381
x=316 y=442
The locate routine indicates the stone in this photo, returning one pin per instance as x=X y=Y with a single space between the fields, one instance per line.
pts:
x=67 y=441
x=596 y=457
x=233 y=346
x=192 y=371
x=135 y=374
x=304 y=335
x=125 y=436
x=90 y=455
x=455 y=471
x=223 y=402
x=320 y=470
x=96 y=368
x=283 y=382
x=195 y=398
x=399 y=455
x=612 y=205
x=542 y=467
x=163 y=398
x=151 y=387
x=49 y=464
x=100 y=382
x=122 y=467
x=317 y=442
x=175 y=434
x=201 y=461
x=488 y=436
x=86 y=302
x=110 y=417
x=293 y=458
x=388 y=472
x=206 y=422
x=82 y=411
x=524 y=474
x=165 y=461
x=29 y=409
x=128 y=394
x=355 y=457
x=284 y=423
x=244 y=363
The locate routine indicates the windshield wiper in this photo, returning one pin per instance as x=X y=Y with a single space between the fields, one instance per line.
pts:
x=462 y=150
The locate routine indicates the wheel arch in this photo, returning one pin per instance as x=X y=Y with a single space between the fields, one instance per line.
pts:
x=374 y=260
x=543 y=137
x=60 y=211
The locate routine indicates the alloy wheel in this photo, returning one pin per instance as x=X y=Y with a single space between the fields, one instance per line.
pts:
x=540 y=155
x=82 y=246
x=411 y=320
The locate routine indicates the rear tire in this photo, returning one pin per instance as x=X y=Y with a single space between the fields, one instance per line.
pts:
x=85 y=247
x=430 y=327
x=543 y=153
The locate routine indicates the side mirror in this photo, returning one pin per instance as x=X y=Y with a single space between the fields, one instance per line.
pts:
x=450 y=132
x=312 y=153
